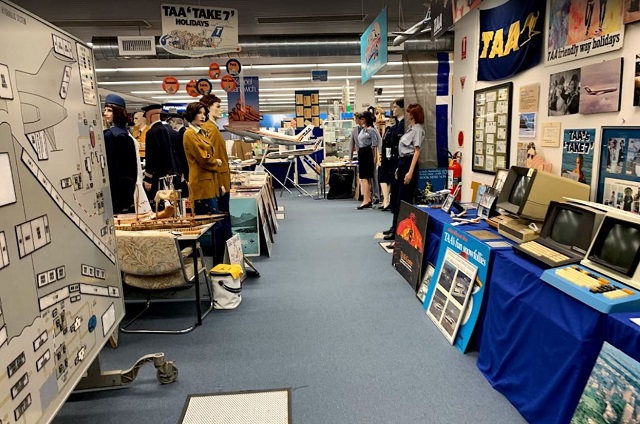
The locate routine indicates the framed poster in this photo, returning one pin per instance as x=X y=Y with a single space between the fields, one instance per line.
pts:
x=408 y=249
x=492 y=128
x=619 y=159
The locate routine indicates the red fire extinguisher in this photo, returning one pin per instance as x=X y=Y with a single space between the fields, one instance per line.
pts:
x=455 y=171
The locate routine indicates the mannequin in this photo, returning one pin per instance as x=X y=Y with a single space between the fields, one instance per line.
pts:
x=140 y=128
x=214 y=109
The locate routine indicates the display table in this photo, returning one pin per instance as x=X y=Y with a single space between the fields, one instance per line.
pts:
x=326 y=168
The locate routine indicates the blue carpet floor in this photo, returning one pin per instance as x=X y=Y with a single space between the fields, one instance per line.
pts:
x=330 y=318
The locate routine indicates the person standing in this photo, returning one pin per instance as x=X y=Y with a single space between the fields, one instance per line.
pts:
x=121 y=155
x=353 y=138
x=160 y=157
x=214 y=104
x=389 y=156
x=406 y=175
x=203 y=178
x=368 y=142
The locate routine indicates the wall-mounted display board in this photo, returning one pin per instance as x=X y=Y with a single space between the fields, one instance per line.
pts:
x=60 y=296
x=619 y=163
x=492 y=128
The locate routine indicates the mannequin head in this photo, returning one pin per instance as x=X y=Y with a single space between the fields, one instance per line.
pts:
x=214 y=106
x=397 y=108
x=139 y=119
x=152 y=113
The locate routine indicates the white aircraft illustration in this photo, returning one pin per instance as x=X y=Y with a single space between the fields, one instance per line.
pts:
x=270 y=137
x=593 y=92
x=421 y=27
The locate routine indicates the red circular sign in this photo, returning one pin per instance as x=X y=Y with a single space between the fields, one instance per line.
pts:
x=460 y=138
x=214 y=71
x=228 y=83
x=170 y=85
x=192 y=88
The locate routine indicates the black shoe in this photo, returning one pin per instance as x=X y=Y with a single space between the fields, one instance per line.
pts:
x=367 y=206
x=391 y=245
x=389 y=231
x=376 y=202
x=391 y=236
x=386 y=208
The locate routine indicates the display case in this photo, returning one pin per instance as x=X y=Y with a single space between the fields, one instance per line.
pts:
x=336 y=137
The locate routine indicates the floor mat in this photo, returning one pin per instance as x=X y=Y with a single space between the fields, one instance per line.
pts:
x=250 y=407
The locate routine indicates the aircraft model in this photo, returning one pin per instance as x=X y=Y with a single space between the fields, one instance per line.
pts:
x=270 y=137
x=297 y=152
x=592 y=92
x=421 y=27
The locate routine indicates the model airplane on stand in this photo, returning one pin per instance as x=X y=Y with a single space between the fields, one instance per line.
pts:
x=421 y=27
x=270 y=137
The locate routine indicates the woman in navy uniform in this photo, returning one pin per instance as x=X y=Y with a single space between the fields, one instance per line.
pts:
x=389 y=155
x=368 y=141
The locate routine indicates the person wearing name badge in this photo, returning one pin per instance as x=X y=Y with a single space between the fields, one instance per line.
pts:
x=409 y=152
x=368 y=141
x=203 y=165
x=122 y=159
x=390 y=159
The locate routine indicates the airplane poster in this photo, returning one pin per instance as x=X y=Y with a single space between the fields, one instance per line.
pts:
x=373 y=51
x=601 y=84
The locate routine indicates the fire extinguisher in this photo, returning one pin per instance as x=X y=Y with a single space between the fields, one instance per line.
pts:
x=455 y=170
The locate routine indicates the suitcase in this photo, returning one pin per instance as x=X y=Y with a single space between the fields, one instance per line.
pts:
x=340 y=184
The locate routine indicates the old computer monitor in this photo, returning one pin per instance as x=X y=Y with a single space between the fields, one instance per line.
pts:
x=615 y=250
x=568 y=229
x=527 y=192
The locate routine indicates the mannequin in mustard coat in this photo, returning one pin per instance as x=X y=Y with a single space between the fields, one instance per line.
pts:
x=204 y=188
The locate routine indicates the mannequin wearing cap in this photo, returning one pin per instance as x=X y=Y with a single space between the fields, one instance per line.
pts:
x=204 y=188
x=123 y=160
x=140 y=128
x=213 y=103
x=161 y=158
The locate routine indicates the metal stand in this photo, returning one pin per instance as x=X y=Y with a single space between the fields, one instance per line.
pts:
x=97 y=380
x=297 y=186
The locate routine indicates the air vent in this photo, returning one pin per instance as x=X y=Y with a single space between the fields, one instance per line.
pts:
x=90 y=23
x=136 y=46
x=309 y=19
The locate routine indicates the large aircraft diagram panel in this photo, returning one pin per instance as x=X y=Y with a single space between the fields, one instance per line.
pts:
x=60 y=289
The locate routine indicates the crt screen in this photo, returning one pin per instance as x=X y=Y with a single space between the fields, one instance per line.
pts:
x=516 y=197
x=566 y=227
x=620 y=246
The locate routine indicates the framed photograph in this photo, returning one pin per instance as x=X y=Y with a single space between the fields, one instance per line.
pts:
x=602 y=82
x=426 y=280
x=446 y=206
x=500 y=178
x=492 y=122
x=619 y=163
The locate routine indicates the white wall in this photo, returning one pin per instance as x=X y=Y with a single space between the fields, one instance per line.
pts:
x=463 y=98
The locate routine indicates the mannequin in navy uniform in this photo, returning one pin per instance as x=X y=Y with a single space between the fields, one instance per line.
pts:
x=121 y=155
x=391 y=164
x=160 y=156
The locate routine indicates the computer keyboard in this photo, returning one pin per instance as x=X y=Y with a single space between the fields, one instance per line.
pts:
x=536 y=249
x=597 y=291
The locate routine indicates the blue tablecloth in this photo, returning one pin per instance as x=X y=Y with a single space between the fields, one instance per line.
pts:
x=537 y=345
x=624 y=334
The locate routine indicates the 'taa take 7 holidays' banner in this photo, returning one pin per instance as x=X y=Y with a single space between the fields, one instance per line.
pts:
x=583 y=28
x=197 y=31
x=457 y=247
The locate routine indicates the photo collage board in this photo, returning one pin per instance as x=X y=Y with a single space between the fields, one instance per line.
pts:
x=619 y=176
x=307 y=108
x=492 y=128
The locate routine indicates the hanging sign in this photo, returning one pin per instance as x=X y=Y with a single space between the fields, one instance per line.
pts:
x=214 y=71
x=198 y=31
x=228 y=83
x=233 y=67
x=170 y=85
x=192 y=88
x=204 y=86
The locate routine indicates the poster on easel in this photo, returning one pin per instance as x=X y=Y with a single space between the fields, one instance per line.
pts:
x=408 y=249
x=611 y=393
x=454 y=297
